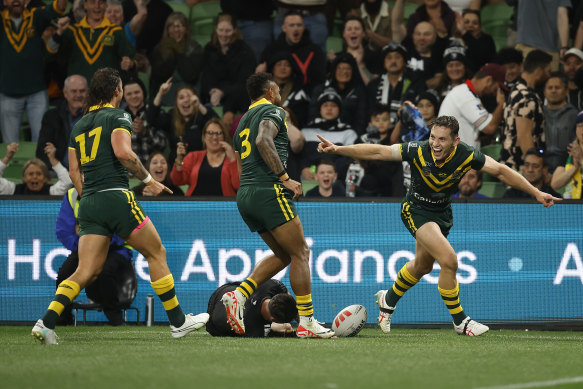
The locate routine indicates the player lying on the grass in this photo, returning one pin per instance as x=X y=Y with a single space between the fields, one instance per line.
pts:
x=100 y=156
x=268 y=311
x=265 y=201
x=437 y=165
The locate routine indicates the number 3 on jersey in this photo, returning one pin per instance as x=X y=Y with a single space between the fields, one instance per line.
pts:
x=245 y=144
x=96 y=133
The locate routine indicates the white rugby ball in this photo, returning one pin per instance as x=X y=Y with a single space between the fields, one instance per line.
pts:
x=349 y=321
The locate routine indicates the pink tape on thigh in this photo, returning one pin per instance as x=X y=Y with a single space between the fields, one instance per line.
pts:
x=142 y=224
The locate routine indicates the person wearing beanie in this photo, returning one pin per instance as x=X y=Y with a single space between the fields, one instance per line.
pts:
x=346 y=81
x=463 y=102
x=511 y=59
x=456 y=73
x=395 y=85
x=329 y=125
x=294 y=94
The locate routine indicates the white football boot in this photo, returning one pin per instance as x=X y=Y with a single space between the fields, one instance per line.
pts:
x=311 y=328
x=470 y=327
x=191 y=323
x=234 y=303
x=43 y=334
x=384 y=318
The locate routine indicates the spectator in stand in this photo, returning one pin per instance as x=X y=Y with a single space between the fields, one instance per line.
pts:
x=327 y=184
x=346 y=81
x=535 y=171
x=428 y=104
x=569 y=176
x=291 y=88
x=159 y=168
x=378 y=27
x=395 y=86
x=158 y=12
x=425 y=50
x=481 y=46
x=458 y=6
x=367 y=61
x=327 y=124
x=133 y=28
x=456 y=71
x=572 y=62
x=184 y=122
x=226 y=63
x=58 y=122
x=463 y=102
x=93 y=43
x=209 y=172
x=379 y=178
x=145 y=137
x=436 y=12
x=308 y=58
x=523 y=116
x=312 y=12
x=22 y=83
x=544 y=25
x=511 y=59
x=254 y=21
x=177 y=55
x=559 y=117
x=36 y=179
x=104 y=290
x=469 y=186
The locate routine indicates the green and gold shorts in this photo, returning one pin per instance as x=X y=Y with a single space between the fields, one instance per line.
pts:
x=265 y=206
x=414 y=217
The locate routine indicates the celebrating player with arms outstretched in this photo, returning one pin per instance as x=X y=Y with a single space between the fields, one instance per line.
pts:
x=437 y=165
x=265 y=203
x=100 y=151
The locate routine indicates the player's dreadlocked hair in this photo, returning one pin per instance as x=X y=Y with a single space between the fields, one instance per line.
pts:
x=283 y=308
x=102 y=89
x=448 y=122
x=257 y=85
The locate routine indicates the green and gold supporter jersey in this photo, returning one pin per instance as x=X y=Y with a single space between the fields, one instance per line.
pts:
x=433 y=184
x=91 y=139
x=254 y=168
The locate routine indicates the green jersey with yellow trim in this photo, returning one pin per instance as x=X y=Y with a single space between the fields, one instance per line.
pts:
x=254 y=168
x=433 y=184
x=91 y=139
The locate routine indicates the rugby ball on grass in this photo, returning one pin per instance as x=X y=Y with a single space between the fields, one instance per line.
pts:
x=349 y=321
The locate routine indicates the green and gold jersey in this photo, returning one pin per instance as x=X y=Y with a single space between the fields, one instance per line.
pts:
x=254 y=168
x=91 y=139
x=433 y=184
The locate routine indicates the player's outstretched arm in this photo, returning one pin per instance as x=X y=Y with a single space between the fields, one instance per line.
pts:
x=515 y=180
x=121 y=143
x=361 y=151
x=264 y=141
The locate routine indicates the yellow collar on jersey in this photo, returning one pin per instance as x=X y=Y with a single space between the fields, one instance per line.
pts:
x=446 y=160
x=262 y=101
x=107 y=105
x=85 y=24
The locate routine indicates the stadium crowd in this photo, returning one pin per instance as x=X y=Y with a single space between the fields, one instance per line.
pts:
x=354 y=71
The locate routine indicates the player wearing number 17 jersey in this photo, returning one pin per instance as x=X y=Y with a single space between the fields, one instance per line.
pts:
x=265 y=201
x=437 y=165
x=100 y=156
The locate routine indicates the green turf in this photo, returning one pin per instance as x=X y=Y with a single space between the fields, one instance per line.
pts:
x=147 y=357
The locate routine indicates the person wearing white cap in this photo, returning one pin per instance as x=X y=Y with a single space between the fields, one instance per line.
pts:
x=463 y=102
x=572 y=62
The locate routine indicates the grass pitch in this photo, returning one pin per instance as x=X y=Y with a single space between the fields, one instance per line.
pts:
x=147 y=357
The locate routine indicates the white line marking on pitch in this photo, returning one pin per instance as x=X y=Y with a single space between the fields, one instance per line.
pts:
x=538 y=384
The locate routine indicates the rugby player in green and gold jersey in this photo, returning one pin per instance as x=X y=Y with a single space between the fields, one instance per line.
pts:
x=437 y=165
x=100 y=156
x=265 y=201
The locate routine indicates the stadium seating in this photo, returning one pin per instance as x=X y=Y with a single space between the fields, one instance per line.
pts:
x=494 y=190
x=179 y=6
x=494 y=152
x=202 y=17
x=307 y=185
x=334 y=43
x=26 y=151
x=495 y=21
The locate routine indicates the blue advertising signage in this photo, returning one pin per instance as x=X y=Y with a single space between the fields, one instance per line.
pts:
x=517 y=262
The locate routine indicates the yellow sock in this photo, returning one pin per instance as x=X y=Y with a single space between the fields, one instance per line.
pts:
x=304 y=304
x=66 y=292
x=164 y=288
x=247 y=287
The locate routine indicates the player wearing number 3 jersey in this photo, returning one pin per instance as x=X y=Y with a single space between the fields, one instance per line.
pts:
x=100 y=156
x=265 y=201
